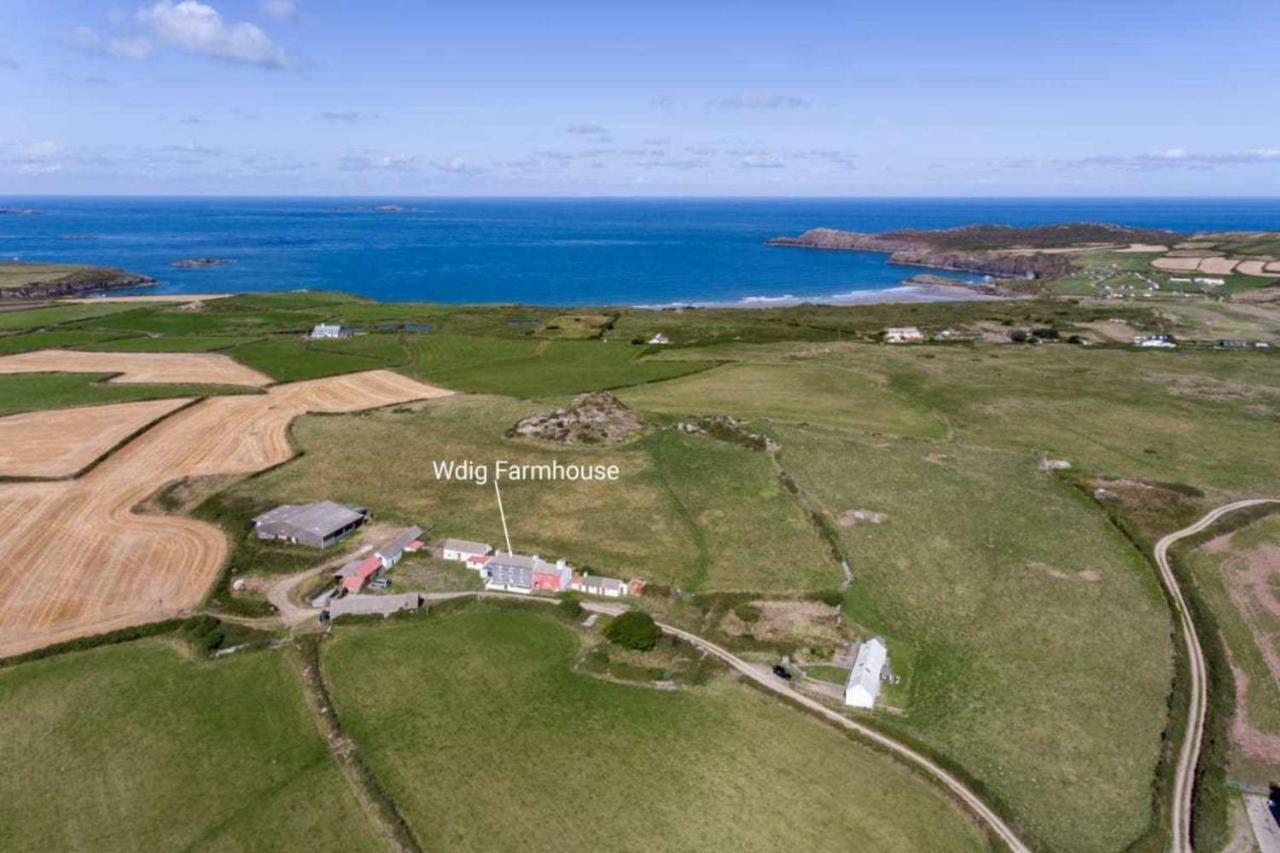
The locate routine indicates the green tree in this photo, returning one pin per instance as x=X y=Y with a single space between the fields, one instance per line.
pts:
x=570 y=606
x=634 y=629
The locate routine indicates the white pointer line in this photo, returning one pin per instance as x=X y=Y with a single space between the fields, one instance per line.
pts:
x=497 y=491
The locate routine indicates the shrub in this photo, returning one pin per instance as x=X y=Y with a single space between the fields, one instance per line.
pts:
x=570 y=607
x=747 y=612
x=634 y=629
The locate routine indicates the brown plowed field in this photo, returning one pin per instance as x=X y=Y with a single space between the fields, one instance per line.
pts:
x=76 y=560
x=204 y=368
x=60 y=442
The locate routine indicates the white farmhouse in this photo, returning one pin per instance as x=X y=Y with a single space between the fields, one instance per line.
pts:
x=659 y=339
x=326 y=330
x=902 y=334
x=864 y=680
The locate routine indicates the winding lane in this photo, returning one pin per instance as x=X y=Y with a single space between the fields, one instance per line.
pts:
x=1189 y=757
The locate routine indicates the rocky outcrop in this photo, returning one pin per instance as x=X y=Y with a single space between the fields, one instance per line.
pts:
x=996 y=250
x=200 y=263
x=76 y=281
x=598 y=418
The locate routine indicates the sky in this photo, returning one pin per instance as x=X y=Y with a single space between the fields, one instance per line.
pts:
x=691 y=98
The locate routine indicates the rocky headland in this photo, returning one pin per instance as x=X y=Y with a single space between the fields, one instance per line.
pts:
x=1040 y=252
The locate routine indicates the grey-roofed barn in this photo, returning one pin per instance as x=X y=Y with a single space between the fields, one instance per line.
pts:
x=318 y=525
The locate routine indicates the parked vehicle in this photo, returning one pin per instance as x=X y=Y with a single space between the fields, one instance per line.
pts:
x=379 y=583
x=781 y=671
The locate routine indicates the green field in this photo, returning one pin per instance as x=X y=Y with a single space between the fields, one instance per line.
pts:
x=1198 y=417
x=1239 y=595
x=35 y=391
x=487 y=741
x=813 y=392
x=36 y=318
x=536 y=369
x=136 y=747
x=1016 y=597
x=688 y=511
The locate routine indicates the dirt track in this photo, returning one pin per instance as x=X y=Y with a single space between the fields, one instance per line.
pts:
x=76 y=560
x=60 y=442
x=203 y=368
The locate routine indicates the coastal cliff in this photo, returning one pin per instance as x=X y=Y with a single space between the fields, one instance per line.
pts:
x=1040 y=252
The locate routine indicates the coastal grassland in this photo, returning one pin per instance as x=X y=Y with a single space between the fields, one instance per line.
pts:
x=1244 y=597
x=53 y=339
x=55 y=315
x=487 y=740
x=536 y=369
x=1212 y=320
x=1198 y=417
x=137 y=747
x=687 y=511
x=1043 y=654
x=178 y=343
x=706 y=326
x=36 y=391
x=810 y=391
x=291 y=359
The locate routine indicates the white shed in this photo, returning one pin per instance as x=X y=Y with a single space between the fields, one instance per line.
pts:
x=864 y=680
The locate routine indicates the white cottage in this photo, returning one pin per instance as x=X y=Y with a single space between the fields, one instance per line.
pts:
x=864 y=681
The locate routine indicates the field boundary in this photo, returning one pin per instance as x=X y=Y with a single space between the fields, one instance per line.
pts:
x=374 y=799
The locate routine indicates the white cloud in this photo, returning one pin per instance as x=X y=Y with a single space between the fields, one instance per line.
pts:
x=758 y=102
x=32 y=158
x=456 y=166
x=379 y=163
x=198 y=28
x=1175 y=158
x=286 y=10
x=588 y=129
x=121 y=47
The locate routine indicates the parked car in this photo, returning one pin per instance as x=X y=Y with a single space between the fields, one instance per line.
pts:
x=379 y=583
x=781 y=671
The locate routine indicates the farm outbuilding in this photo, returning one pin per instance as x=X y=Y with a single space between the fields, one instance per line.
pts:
x=317 y=525
x=863 y=688
x=364 y=605
x=408 y=539
x=463 y=550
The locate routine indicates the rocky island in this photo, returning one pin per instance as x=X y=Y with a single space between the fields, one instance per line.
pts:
x=200 y=263
x=1040 y=252
x=19 y=280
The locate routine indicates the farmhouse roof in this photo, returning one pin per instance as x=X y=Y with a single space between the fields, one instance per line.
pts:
x=466 y=546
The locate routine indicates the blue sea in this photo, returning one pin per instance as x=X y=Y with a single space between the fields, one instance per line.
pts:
x=538 y=251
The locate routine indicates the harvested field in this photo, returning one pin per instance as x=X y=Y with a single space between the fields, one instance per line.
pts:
x=1257 y=268
x=1273 y=267
x=1177 y=264
x=139 y=367
x=1144 y=247
x=1218 y=266
x=61 y=442
x=78 y=560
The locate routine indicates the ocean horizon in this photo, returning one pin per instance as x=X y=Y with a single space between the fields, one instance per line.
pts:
x=543 y=251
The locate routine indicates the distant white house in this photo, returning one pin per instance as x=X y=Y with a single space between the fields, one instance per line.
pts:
x=863 y=688
x=1212 y=282
x=902 y=334
x=1158 y=341
x=326 y=330
x=1180 y=280
x=659 y=339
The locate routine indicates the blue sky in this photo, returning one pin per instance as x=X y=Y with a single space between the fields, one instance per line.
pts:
x=699 y=97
